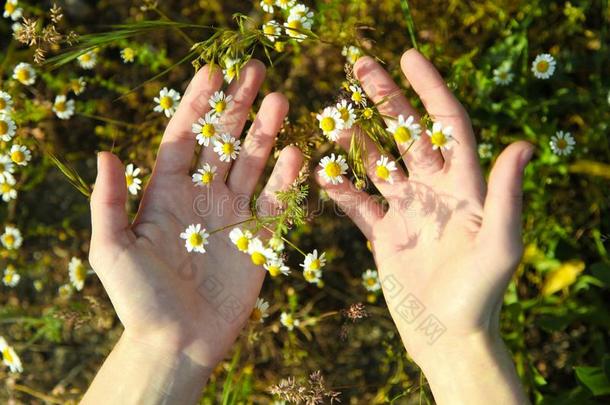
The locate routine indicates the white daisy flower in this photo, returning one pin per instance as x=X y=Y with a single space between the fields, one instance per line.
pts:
x=312 y=266
x=346 y=110
x=88 y=60
x=7 y=167
x=352 y=53
x=370 y=281
x=272 y=30
x=277 y=244
x=259 y=312
x=77 y=272
x=205 y=175
x=25 y=74
x=128 y=55
x=259 y=254
x=241 y=239
x=285 y=4
x=331 y=123
x=10 y=357
x=11 y=238
x=384 y=169
x=358 y=96
x=276 y=267
x=543 y=66
x=485 y=151
x=78 y=85
x=503 y=76
x=65 y=291
x=134 y=184
x=562 y=143
x=207 y=128
x=220 y=102
x=7 y=127
x=12 y=10
x=300 y=19
x=7 y=188
x=11 y=277
x=196 y=238
x=333 y=168
x=231 y=69
x=167 y=101
x=267 y=5
x=6 y=102
x=63 y=108
x=227 y=147
x=301 y=11
x=289 y=321
x=404 y=130
x=20 y=155
x=440 y=137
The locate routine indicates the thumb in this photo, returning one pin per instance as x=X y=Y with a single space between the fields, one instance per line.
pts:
x=108 y=215
x=503 y=203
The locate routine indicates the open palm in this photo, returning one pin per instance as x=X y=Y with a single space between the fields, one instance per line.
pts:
x=161 y=292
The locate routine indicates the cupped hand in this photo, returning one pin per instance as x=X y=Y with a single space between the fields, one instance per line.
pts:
x=164 y=296
x=447 y=244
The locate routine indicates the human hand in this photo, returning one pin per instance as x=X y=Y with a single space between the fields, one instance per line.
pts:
x=167 y=298
x=448 y=245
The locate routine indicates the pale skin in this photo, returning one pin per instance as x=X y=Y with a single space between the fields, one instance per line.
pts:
x=447 y=238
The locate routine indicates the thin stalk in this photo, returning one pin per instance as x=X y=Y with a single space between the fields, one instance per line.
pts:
x=410 y=24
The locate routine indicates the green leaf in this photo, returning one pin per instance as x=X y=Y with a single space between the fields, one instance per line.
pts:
x=594 y=379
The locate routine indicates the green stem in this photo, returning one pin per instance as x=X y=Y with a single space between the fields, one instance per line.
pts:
x=410 y=24
x=232 y=225
x=188 y=39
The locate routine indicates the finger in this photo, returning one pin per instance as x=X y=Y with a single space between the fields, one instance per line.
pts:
x=360 y=206
x=249 y=166
x=243 y=93
x=109 y=219
x=420 y=159
x=502 y=210
x=178 y=143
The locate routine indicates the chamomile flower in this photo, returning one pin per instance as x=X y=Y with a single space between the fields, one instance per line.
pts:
x=220 y=102
x=503 y=76
x=196 y=238
x=543 y=67
x=231 y=69
x=20 y=155
x=485 y=151
x=11 y=238
x=267 y=5
x=259 y=254
x=297 y=23
x=289 y=321
x=78 y=85
x=227 y=147
x=65 y=291
x=7 y=188
x=331 y=123
x=352 y=53
x=358 y=96
x=11 y=277
x=259 y=312
x=370 y=280
x=7 y=127
x=276 y=243
x=441 y=137
x=301 y=11
x=207 y=128
x=88 y=60
x=10 y=357
x=241 y=239
x=167 y=101
x=275 y=267
x=25 y=74
x=134 y=184
x=6 y=102
x=562 y=143
x=272 y=30
x=63 y=108
x=404 y=130
x=128 y=55
x=333 y=168
x=77 y=271
x=285 y=4
x=12 y=10
x=346 y=110
x=205 y=175
x=7 y=167
x=384 y=168
x=312 y=266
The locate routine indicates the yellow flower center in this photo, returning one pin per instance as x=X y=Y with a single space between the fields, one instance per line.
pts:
x=8 y=277
x=23 y=75
x=256 y=315
x=9 y=240
x=258 y=258
x=344 y=113
x=562 y=144
x=85 y=57
x=438 y=138
x=327 y=124
x=220 y=106
x=60 y=106
x=382 y=172
x=18 y=156
x=309 y=275
x=333 y=169
x=80 y=273
x=269 y=29
x=166 y=102
x=227 y=148
x=5 y=188
x=268 y=2
x=242 y=243
x=208 y=130
x=368 y=113
x=543 y=66
x=274 y=271
x=129 y=179
x=196 y=239
x=315 y=264
x=371 y=282
x=402 y=135
x=3 y=127
x=280 y=46
x=357 y=97
x=6 y=353
x=2 y=104
x=207 y=177
x=128 y=54
x=295 y=25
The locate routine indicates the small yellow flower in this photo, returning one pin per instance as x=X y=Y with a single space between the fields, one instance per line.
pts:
x=259 y=312
x=241 y=239
x=562 y=277
x=196 y=238
x=333 y=168
x=128 y=55
x=77 y=272
x=441 y=137
x=205 y=175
